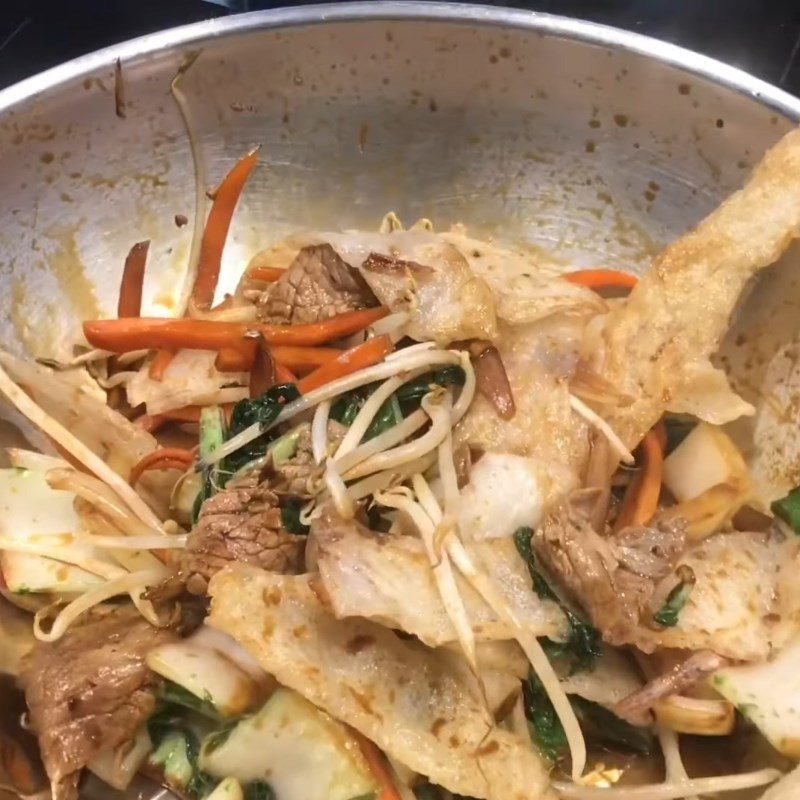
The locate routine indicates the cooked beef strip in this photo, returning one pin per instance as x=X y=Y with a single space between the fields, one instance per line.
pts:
x=242 y=523
x=612 y=577
x=686 y=673
x=90 y=690
x=317 y=285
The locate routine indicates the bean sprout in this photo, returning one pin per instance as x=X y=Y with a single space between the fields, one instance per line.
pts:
x=595 y=419
x=122 y=585
x=338 y=492
x=319 y=431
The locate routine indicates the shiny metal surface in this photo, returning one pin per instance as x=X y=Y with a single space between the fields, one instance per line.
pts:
x=594 y=143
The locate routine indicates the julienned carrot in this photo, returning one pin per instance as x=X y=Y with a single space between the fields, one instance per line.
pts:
x=376 y=762
x=602 y=279
x=301 y=359
x=124 y=335
x=265 y=274
x=234 y=359
x=284 y=375
x=363 y=355
x=216 y=230
x=130 y=289
x=641 y=498
x=158 y=366
x=163 y=458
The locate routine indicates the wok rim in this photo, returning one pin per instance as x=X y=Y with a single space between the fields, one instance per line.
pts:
x=197 y=33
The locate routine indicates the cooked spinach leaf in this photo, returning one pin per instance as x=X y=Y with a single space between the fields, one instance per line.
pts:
x=667 y=615
x=173 y=693
x=410 y=394
x=259 y=790
x=290 y=517
x=389 y=415
x=788 y=509
x=546 y=729
x=584 y=644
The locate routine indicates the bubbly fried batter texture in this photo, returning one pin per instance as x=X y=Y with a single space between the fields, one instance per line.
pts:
x=656 y=347
x=420 y=706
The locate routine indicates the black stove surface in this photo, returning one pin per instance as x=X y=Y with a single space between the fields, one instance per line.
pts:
x=760 y=36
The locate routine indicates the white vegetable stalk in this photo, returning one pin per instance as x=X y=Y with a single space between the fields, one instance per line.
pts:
x=77 y=449
x=379 y=372
x=57 y=547
x=533 y=650
x=319 y=431
x=669 y=790
x=122 y=585
x=391 y=326
x=598 y=422
x=438 y=409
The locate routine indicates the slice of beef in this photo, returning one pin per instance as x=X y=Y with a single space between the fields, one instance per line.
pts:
x=240 y=523
x=612 y=577
x=317 y=285
x=90 y=690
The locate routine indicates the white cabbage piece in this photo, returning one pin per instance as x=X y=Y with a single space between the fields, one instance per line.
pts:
x=190 y=379
x=299 y=750
x=117 y=766
x=769 y=696
x=612 y=678
x=501 y=496
x=29 y=507
x=422 y=707
x=389 y=580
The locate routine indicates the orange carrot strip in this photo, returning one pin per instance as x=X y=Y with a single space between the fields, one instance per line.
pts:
x=216 y=230
x=641 y=498
x=235 y=359
x=163 y=458
x=284 y=375
x=265 y=274
x=130 y=289
x=364 y=355
x=123 y=335
x=376 y=761
x=602 y=279
x=158 y=366
x=192 y=413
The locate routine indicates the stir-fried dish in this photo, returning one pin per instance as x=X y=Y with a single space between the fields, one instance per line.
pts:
x=408 y=515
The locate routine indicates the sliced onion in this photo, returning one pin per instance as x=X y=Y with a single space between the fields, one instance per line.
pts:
x=319 y=431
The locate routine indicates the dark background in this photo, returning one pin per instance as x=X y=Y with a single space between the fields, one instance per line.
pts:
x=761 y=36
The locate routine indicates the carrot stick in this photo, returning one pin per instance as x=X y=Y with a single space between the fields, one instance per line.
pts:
x=158 y=366
x=364 y=355
x=265 y=274
x=284 y=375
x=123 y=335
x=602 y=279
x=235 y=359
x=191 y=413
x=130 y=290
x=163 y=458
x=641 y=498
x=376 y=762
x=216 y=230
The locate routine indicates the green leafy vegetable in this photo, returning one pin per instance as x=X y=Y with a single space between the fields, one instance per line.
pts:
x=259 y=790
x=221 y=735
x=427 y=791
x=290 y=517
x=410 y=394
x=546 y=729
x=376 y=521
x=667 y=615
x=599 y=725
x=584 y=644
x=212 y=435
x=262 y=410
x=788 y=509
x=678 y=428
x=389 y=415
x=346 y=407
x=173 y=693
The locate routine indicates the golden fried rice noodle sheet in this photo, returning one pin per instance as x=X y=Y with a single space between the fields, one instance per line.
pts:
x=539 y=359
x=422 y=707
x=736 y=607
x=390 y=581
x=657 y=346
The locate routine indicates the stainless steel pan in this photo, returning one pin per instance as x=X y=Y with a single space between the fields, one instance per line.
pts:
x=596 y=144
